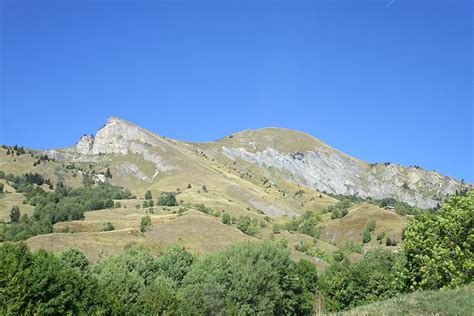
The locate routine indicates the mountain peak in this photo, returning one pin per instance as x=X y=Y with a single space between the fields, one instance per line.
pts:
x=114 y=120
x=281 y=139
x=114 y=136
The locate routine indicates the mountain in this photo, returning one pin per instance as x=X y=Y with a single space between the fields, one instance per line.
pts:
x=277 y=157
x=266 y=176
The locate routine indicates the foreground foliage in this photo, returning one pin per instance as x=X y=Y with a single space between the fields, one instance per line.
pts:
x=440 y=247
x=250 y=278
x=378 y=276
x=441 y=302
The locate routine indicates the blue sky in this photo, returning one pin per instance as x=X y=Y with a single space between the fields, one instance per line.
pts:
x=379 y=81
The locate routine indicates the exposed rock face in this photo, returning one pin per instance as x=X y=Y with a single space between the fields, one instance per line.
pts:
x=84 y=145
x=120 y=137
x=300 y=158
x=333 y=172
x=134 y=170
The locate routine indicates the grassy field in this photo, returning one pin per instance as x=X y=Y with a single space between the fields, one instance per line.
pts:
x=198 y=232
x=10 y=199
x=450 y=302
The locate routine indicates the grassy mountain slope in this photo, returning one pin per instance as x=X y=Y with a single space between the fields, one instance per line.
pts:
x=264 y=174
x=449 y=302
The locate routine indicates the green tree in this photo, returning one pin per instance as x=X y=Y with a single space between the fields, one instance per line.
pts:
x=74 y=258
x=248 y=279
x=15 y=214
x=157 y=298
x=247 y=225
x=175 y=263
x=366 y=237
x=42 y=284
x=226 y=219
x=440 y=247
x=376 y=277
x=145 y=223
x=371 y=225
x=167 y=199
x=148 y=195
x=124 y=277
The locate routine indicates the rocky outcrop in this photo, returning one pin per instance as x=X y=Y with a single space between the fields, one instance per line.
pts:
x=333 y=172
x=121 y=137
x=84 y=145
x=300 y=158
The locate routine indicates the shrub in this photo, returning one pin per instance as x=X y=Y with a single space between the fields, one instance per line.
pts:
x=276 y=228
x=371 y=225
x=15 y=214
x=145 y=223
x=226 y=219
x=366 y=237
x=305 y=224
x=109 y=203
x=167 y=199
x=247 y=225
x=107 y=227
x=148 y=195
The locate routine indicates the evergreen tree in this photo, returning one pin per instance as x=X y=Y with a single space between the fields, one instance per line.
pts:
x=148 y=195
x=15 y=214
x=366 y=237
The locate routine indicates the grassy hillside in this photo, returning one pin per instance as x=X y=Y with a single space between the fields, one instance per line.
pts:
x=199 y=173
x=450 y=302
x=350 y=227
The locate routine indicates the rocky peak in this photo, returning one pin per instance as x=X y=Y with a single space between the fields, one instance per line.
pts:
x=84 y=145
x=117 y=136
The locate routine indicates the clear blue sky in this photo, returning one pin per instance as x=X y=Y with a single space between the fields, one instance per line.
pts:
x=379 y=81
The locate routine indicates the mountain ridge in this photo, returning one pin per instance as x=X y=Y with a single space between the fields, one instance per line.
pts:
x=297 y=156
